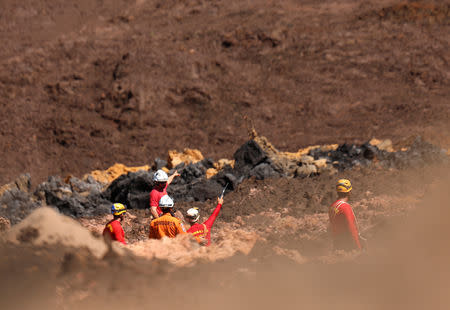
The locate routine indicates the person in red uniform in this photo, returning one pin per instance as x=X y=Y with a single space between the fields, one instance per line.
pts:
x=161 y=182
x=202 y=232
x=113 y=230
x=343 y=227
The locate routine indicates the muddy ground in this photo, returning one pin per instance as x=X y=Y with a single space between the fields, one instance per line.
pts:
x=85 y=84
x=287 y=260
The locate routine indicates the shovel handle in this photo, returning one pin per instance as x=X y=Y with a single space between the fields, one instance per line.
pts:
x=223 y=191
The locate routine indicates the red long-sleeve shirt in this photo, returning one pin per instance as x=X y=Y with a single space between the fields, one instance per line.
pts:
x=114 y=231
x=198 y=230
x=155 y=196
x=343 y=226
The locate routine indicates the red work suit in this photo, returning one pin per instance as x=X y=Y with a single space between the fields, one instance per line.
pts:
x=344 y=230
x=155 y=196
x=198 y=230
x=114 y=231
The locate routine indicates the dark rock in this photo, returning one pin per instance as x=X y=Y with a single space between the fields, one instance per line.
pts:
x=179 y=192
x=226 y=176
x=192 y=172
x=159 y=163
x=18 y=204
x=89 y=186
x=369 y=151
x=205 y=189
x=88 y=202
x=248 y=156
x=177 y=167
x=130 y=189
x=262 y=171
x=207 y=163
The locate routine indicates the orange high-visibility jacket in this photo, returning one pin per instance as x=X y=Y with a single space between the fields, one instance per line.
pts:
x=166 y=226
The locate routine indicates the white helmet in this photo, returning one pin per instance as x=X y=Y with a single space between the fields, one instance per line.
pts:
x=193 y=214
x=166 y=202
x=160 y=176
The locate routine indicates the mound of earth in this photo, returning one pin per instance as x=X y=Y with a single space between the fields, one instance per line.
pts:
x=47 y=226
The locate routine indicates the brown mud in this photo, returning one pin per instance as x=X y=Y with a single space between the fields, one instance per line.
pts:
x=286 y=259
x=86 y=84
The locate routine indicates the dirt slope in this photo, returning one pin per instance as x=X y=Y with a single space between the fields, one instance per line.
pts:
x=85 y=84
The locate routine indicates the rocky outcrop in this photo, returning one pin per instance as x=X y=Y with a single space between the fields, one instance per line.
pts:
x=204 y=179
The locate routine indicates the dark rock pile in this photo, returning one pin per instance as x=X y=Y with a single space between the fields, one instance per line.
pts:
x=347 y=156
x=75 y=197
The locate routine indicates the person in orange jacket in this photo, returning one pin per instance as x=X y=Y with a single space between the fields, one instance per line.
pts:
x=113 y=230
x=161 y=182
x=343 y=226
x=166 y=225
x=202 y=232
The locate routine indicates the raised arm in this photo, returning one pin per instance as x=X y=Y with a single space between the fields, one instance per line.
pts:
x=210 y=221
x=170 y=179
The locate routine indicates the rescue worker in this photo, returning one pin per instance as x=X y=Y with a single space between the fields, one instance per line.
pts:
x=161 y=182
x=113 y=230
x=202 y=232
x=343 y=227
x=166 y=225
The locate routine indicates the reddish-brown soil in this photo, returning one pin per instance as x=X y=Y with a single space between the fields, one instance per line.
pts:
x=84 y=84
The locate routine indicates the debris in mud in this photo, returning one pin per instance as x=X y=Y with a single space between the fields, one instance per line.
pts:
x=257 y=158
x=65 y=197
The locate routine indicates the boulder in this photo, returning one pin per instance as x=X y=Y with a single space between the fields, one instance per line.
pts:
x=187 y=157
x=89 y=186
x=58 y=194
x=228 y=176
x=131 y=189
x=248 y=156
x=22 y=183
x=159 y=163
x=320 y=163
x=205 y=189
x=306 y=159
x=306 y=170
x=263 y=171
x=113 y=172
x=223 y=162
x=15 y=205
x=384 y=145
x=211 y=172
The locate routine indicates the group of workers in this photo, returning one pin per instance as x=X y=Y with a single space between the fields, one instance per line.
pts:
x=342 y=222
x=165 y=222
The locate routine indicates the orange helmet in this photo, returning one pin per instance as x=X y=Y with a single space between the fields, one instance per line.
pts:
x=343 y=186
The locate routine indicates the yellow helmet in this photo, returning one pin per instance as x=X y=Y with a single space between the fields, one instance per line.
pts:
x=118 y=209
x=343 y=186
